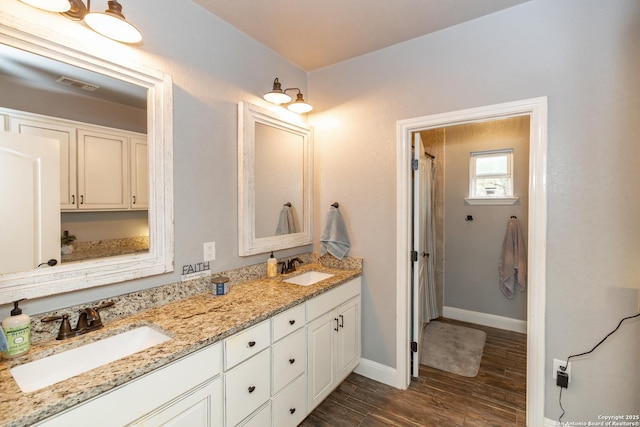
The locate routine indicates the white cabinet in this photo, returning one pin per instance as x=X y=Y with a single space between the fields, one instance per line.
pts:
x=66 y=136
x=271 y=374
x=100 y=168
x=185 y=393
x=103 y=172
x=333 y=339
x=139 y=159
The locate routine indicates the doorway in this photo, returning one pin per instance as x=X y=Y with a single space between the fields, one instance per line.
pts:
x=536 y=109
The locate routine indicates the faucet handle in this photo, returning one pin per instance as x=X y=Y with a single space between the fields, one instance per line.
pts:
x=65 y=326
x=104 y=305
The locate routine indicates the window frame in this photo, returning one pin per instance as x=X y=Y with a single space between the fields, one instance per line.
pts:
x=478 y=199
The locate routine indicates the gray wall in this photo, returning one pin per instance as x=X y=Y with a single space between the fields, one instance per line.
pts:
x=473 y=248
x=584 y=55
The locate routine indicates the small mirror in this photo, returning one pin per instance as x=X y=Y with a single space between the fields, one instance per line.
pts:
x=275 y=158
x=146 y=140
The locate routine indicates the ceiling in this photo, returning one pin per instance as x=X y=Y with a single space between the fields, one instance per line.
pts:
x=317 y=33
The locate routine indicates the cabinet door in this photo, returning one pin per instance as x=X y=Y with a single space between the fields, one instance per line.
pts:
x=103 y=172
x=321 y=370
x=139 y=173
x=66 y=136
x=201 y=407
x=348 y=348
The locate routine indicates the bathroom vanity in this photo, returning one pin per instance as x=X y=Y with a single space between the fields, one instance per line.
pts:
x=267 y=353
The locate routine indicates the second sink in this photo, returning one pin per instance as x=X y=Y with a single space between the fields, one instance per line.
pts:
x=309 y=278
x=61 y=366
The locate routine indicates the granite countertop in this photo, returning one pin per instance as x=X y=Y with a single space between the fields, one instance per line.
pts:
x=193 y=323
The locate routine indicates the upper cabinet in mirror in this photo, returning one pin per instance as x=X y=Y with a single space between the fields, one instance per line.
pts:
x=127 y=124
x=275 y=170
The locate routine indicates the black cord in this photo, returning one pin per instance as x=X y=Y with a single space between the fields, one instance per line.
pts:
x=564 y=368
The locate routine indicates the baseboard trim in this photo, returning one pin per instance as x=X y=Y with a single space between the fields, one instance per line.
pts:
x=378 y=372
x=485 y=319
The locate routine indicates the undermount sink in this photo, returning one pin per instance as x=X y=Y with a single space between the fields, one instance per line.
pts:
x=61 y=366
x=309 y=278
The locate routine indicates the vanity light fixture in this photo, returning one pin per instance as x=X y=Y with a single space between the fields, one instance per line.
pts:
x=278 y=96
x=111 y=23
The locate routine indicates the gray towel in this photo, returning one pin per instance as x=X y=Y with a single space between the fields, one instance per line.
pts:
x=286 y=224
x=513 y=262
x=335 y=239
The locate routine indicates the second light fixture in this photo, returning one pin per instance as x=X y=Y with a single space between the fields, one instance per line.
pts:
x=279 y=96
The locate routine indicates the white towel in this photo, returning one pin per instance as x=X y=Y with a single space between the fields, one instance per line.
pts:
x=335 y=239
x=286 y=224
x=513 y=262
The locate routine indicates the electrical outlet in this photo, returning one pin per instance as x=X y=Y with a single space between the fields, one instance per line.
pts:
x=556 y=367
x=210 y=251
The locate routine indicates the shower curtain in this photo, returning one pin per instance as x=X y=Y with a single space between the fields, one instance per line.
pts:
x=430 y=306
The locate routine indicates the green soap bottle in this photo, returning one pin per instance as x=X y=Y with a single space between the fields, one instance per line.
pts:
x=17 y=329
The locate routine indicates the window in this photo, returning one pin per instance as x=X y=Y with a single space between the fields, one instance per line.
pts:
x=491 y=174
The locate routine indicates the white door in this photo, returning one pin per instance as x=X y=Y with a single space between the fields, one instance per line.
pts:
x=30 y=211
x=419 y=250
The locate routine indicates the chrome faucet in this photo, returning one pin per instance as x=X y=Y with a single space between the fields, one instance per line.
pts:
x=290 y=266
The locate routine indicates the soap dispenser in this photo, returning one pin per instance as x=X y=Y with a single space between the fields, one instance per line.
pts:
x=272 y=266
x=17 y=329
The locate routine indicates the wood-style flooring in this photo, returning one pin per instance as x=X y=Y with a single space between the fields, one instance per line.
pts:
x=495 y=397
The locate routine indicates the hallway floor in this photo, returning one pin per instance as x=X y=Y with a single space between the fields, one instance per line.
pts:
x=495 y=397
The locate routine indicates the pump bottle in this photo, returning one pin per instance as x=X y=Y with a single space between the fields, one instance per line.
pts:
x=17 y=329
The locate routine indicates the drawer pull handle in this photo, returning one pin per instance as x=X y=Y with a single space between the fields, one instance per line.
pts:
x=292 y=410
x=292 y=361
x=251 y=389
x=252 y=343
x=341 y=321
x=292 y=322
x=337 y=324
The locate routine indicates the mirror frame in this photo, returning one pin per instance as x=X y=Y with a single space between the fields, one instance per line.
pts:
x=160 y=257
x=248 y=116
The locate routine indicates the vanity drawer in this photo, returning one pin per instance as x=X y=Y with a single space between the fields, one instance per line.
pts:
x=289 y=359
x=261 y=418
x=290 y=406
x=247 y=387
x=287 y=322
x=245 y=344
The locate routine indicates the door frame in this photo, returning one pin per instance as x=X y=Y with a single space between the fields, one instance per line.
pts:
x=536 y=109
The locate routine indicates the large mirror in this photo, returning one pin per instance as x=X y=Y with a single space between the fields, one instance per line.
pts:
x=275 y=161
x=124 y=231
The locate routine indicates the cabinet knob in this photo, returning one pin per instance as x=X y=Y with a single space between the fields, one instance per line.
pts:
x=291 y=322
x=337 y=324
x=73 y=199
x=134 y=200
x=341 y=321
x=252 y=343
x=292 y=410
x=292 y=361
x=251 y=389
x=82 y=199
